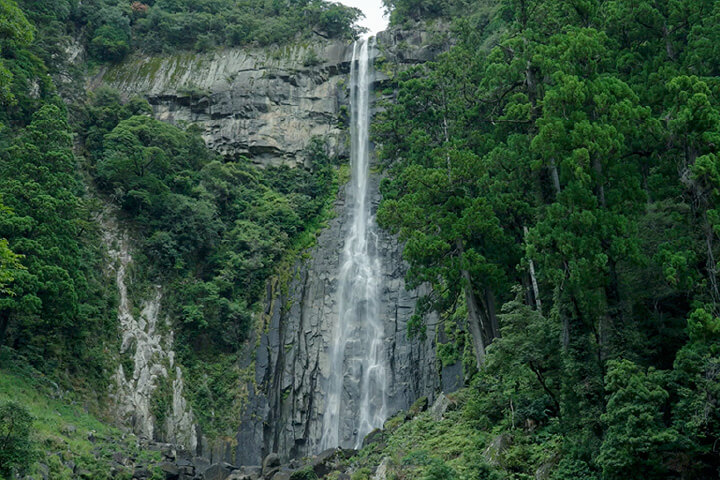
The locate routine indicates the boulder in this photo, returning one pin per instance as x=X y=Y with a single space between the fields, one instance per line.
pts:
x=201 y=464
x=270 y=464
x=141 y=473
x=283 y=474
x=246 y=473
x=381 y=473
x=327 y=461
x=497 y=446
x=218 y=471
x=376 y=436
x=439 y=408
x=171 y=470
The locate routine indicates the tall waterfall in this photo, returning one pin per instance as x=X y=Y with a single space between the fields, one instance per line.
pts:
x=356 y=396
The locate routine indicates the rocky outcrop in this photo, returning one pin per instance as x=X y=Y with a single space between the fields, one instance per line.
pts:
x=147 y=344
x=265 y=104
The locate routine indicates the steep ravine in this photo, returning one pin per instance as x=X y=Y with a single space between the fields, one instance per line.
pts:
x=267 y=105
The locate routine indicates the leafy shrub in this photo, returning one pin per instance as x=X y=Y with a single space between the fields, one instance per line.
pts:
x=16 y=446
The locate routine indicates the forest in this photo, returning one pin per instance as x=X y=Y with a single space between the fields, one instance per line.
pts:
x=554 y=176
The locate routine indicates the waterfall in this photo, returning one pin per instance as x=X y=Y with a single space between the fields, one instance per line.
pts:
x=356 y=397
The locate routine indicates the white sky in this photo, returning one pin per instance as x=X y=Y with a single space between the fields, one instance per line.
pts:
x=373 y=10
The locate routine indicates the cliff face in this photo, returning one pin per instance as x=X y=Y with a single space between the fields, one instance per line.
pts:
x=267 y=105
x=291 y=359
x=147 y=344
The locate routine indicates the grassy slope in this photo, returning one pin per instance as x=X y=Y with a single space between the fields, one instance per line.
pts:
x=65 y=433
x=414 y=445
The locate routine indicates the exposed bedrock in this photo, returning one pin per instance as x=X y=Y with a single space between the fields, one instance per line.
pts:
x=267 y=104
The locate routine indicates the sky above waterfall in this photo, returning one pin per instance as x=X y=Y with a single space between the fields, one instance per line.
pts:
x=374 y=20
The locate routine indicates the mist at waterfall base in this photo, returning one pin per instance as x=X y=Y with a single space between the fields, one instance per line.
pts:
x=356 y=354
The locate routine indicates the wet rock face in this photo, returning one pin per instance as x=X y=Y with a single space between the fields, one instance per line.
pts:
x=291 y=360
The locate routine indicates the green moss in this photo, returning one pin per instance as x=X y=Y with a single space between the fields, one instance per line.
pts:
x=361 y=474
x=306 y=473
x=161 y=400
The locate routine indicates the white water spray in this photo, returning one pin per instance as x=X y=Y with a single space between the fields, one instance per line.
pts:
x=356 y=397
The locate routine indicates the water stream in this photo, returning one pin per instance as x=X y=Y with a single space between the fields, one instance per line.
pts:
x=356 y=397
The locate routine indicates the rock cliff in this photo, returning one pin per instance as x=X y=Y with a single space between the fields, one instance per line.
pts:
x=291 y=360
x=267 y=105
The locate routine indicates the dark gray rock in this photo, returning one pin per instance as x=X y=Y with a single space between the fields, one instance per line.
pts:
x=218 y=471
x=171 y=470
x=270 y=464
x=246 y=473
x=200 y=464
x=283 y=475
x=452 y=377
x=327 y=461
x=297 y=330
x=375 y=436
x=141 y=473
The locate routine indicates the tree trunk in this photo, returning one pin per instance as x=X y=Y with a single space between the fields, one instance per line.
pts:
x=475 y=323
x=4 y=323
x=711 y=264
x=555 y=176
x=492 y=324
x=600 y=188
x=533 y=280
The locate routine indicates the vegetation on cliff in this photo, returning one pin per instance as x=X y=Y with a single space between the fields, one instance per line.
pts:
x=555 y=177
x=559 y=188
x=212 y=230
x=110 y=29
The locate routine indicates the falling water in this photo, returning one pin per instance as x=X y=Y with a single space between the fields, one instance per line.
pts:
x=356 y=390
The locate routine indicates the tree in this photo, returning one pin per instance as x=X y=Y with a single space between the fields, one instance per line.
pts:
x=15 y=32
x=16 y=446
x=637 y=441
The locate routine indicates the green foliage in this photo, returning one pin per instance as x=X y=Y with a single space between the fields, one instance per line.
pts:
x=306 y=473
x=15 y=32
x=115 y=28
x=560 y=168
x=57 y=299
x=61 y=431
x=16 y=447
x=214 y=230
x=637 y=439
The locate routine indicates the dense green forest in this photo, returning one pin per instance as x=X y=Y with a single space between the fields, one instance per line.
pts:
x=555 y=176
